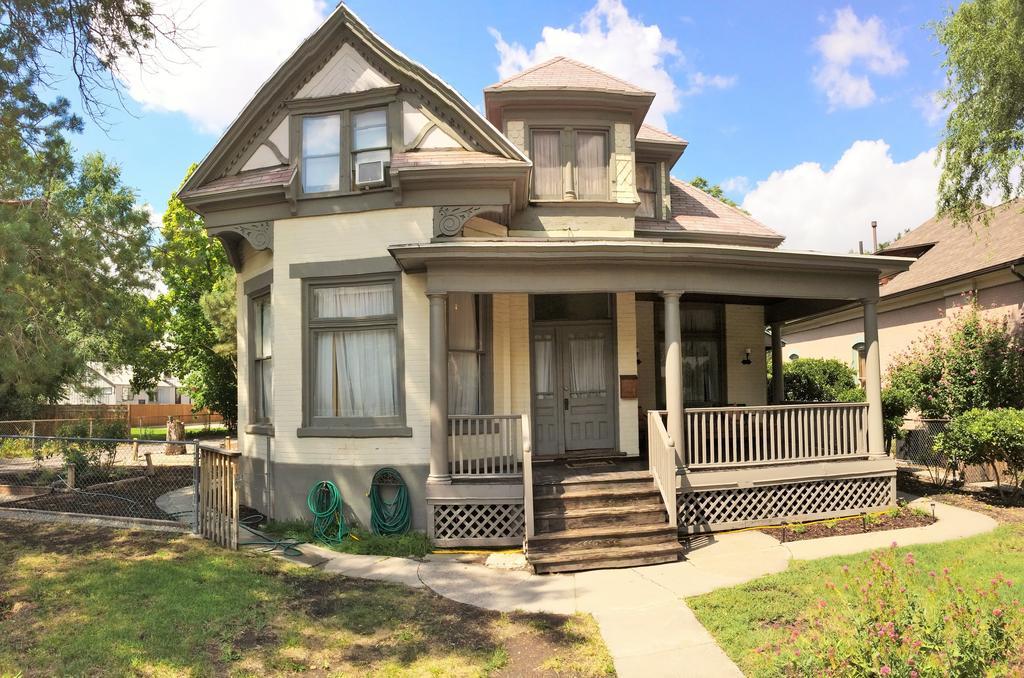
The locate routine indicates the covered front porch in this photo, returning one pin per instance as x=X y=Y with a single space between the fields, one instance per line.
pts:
x=669 y=372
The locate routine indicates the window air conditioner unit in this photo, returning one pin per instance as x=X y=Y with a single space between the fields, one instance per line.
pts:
x=370 y=174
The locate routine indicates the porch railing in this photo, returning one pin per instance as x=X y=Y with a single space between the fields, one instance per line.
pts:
x=485 y=445
x=661 y=458
x=775 y=434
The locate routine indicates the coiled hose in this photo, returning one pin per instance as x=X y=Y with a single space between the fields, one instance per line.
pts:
x=324 y=501
x=389 y=516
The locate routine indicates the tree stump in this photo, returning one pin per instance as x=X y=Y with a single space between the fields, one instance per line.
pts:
x=175 y=431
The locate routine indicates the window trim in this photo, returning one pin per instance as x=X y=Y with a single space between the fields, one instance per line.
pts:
x=567 y=162
x=656 y=192
x=485 y=349
x=256 y=289
x=352 y=427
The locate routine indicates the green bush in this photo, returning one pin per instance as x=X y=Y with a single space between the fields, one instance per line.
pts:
x=16 y=448
x=986 y=438
x=896 y=402
x=820 y=380
x=971 y=363
x=86 y=455
x=876 y=619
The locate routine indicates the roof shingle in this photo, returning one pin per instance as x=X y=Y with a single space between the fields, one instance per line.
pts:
x=959 y=250
x=651 y=133
x=694 y=211
x=565 y=73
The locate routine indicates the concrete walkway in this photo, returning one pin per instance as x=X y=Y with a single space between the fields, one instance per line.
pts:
x=649 y=629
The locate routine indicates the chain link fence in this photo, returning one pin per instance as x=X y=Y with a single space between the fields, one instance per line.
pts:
x=917 y=451
x=99 y=476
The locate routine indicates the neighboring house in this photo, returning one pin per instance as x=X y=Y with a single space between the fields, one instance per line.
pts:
x=953 y=265
x=113 y=387
x=473 y=299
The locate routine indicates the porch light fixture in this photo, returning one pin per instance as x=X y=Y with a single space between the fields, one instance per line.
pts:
x=746 y=358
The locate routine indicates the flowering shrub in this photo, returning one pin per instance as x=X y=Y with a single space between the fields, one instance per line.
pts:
x=973 y=362
x=889 y=617
x=986 y=437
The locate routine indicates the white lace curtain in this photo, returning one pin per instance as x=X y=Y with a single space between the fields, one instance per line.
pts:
x=547 y=165
x=587 y=365
x=543 y=364
x=356 y=371
x=701 y=371
x=463 y=354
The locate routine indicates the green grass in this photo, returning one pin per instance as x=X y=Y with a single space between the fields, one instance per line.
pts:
x=160 y=432
x=765 y=611
x=361 y=542
x=80 y=600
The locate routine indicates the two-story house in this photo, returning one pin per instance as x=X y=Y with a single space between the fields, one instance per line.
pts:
x=522 y=312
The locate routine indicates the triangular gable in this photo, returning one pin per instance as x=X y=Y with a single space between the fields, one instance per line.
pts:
x=343 y=55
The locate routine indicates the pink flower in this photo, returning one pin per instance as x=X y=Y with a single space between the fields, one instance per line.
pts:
x=913 y=674
x=885 y=671
x=998 y=612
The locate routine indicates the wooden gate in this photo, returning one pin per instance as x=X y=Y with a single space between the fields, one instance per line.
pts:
x=218 y=495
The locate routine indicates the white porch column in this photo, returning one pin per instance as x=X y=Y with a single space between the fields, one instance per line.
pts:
x=439 y=470
x=778 y=383
x=674 y=371
x=873 y=379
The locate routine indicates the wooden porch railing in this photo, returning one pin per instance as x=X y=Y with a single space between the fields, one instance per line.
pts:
x=217 y=516
x=661 y=459
x=527 y=477
x=776 y=434
x=486 y=445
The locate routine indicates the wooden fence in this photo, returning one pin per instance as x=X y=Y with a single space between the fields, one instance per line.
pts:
x=218 y=495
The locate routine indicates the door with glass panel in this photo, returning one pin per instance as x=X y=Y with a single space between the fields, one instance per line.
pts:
x=573 y=374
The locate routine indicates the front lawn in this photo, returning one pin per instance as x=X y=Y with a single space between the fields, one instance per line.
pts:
x=798 y=611
x=77 y=600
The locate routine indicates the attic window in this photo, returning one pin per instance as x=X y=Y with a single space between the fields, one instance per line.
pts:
x=321 y=153
x=647 y=189
x=371 y=155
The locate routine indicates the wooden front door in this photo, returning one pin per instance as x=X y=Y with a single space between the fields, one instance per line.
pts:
x=573 y=387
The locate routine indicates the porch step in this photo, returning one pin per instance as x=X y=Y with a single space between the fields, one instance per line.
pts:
x=601 y=558
x=561 y=498
x=622 y=517
x=601 y=537
x=594 y=481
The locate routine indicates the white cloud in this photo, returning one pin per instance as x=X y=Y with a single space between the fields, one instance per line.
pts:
x=736 y=185
x=233 y=46
x=932 y=109
x=831 y=209
x=850 y=45
x=608 y=38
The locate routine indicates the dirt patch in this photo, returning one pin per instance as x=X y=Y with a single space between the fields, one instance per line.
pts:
x=896 y=519
x=130 y=494
x=987 y=501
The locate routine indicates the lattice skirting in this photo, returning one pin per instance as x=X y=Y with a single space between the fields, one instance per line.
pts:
x=477 y=524
x=730 y=508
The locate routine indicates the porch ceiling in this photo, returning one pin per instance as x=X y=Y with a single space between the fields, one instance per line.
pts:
x=797 y=283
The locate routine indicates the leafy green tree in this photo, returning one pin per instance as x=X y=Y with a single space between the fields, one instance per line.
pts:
x=194 y=316
x=983 y=143
x=825 y=380
x=715 y=191
x=974 y=362
x=73 y=244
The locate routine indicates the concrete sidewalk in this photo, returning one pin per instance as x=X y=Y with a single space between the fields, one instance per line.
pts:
x=649 y=629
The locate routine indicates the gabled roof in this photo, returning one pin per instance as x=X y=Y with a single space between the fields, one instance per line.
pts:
x=697 y=215
x=565 y=73
x=266 y=108
x=953 y=251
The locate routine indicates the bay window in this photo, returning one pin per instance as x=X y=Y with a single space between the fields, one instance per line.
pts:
x=591 y=165
x=547 y=165
x=570 y=164
x=647 y=189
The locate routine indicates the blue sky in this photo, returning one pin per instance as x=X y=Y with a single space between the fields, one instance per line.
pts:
x=817 y=117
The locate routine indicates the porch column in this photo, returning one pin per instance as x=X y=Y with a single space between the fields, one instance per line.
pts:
x=873 y=379
x=439 y=470
x=778 y=384
x=674 y=371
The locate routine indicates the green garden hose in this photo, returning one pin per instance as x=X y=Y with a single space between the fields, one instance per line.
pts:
x=324 y=501
x=389 y=516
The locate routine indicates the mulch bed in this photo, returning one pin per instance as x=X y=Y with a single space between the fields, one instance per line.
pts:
x=135 y=498
x=877 y=522
x=987 y=501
